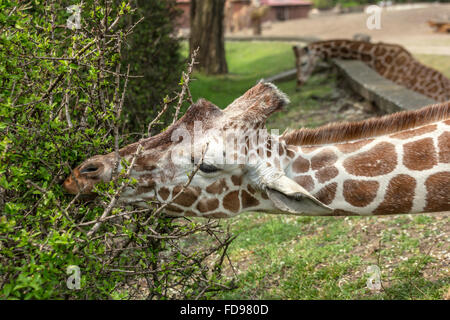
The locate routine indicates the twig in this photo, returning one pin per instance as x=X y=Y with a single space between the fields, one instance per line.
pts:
x=167 y=101
x=186 y=78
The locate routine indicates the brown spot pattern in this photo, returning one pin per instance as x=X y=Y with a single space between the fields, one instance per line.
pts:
x=248 y=200
x=231 y=201
x=352 y=146
x=269 y=147
x=360 y=193
x=280 y=150
x=147 y=179
x=420 y=154
x=216 y=215
x=444 y=147
x=379 y=160
x=340 y=212
x=187 y=197
x=399 y=196
x=173 y=208
x=415 y=132
x=309 y=149
x=300 y=165
x=145 y=189
x=327 y=173
x=190 y=214
x=305 y=181
x=438 y=192
x=164 y=193
x=290 y=153
x=237 y=180
x=146 y=163
x=205 y=205
x=217 y=187
x=327 y=193
x=324 y=158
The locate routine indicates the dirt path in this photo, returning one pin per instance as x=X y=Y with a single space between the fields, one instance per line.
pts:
x=406 y=27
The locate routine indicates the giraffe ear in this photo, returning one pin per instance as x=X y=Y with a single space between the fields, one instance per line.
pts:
x=290 y=197
x=258 y=103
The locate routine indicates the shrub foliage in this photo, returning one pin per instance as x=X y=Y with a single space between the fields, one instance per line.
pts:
x=62 y=100
x=158 y=65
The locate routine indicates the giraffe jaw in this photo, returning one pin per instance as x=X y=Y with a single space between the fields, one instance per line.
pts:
x=290 y=197
x=297 y=204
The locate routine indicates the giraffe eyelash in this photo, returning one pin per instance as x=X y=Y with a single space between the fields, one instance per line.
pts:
x=207 y=168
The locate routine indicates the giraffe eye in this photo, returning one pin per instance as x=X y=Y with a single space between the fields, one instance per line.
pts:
x=207 y=168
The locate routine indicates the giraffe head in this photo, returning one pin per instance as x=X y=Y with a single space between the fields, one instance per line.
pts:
x=306 y=60
x=240 y=165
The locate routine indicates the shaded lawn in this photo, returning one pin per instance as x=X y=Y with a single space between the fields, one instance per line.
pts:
x=288 y=257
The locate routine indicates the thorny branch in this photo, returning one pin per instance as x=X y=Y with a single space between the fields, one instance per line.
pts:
x=125 y=183
x=155 y=234
x=185 y=85
x=171 y=261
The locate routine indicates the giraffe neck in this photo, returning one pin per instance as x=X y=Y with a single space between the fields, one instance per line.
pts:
x=403 y=172
x=390 y=61
x=346 y=49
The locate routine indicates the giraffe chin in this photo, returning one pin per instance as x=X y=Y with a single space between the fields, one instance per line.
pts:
x=85 y=195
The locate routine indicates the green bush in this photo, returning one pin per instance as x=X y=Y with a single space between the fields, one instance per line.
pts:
x=60 y=98
x=152 y=52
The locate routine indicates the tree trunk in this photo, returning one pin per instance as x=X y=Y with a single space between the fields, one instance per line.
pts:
x=207 y=33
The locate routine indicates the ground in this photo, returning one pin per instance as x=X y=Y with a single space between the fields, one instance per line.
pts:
x=405 y=27
x=288 y=257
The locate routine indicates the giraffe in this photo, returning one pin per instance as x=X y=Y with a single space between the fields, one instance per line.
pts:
x=395 y=164
x=389 y=60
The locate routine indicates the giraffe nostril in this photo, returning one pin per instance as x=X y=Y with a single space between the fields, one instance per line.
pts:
x=89 y=169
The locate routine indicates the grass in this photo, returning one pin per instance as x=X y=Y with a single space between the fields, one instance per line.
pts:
x=288 y=257
x=247 y=64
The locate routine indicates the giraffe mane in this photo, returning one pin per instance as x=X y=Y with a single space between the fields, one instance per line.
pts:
x=348 y=131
